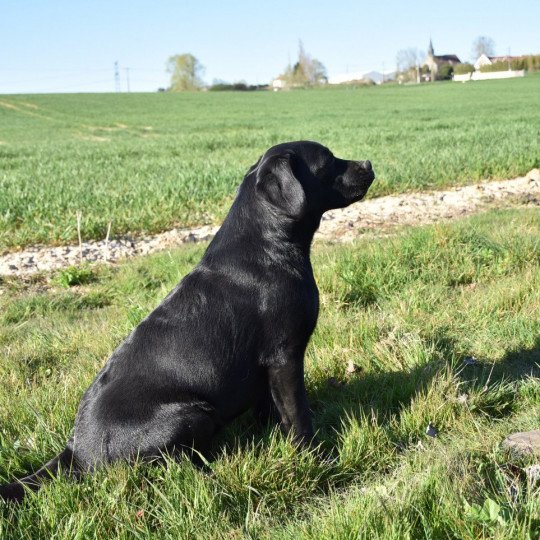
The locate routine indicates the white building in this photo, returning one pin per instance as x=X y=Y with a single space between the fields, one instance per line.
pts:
x=278 y=83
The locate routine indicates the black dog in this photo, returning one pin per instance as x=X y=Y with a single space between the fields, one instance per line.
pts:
x=231 y=336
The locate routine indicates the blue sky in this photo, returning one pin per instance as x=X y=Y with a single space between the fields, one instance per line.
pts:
x=71 y=46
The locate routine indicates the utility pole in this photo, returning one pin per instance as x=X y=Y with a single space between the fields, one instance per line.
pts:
x=117 y=76
x=127 y=77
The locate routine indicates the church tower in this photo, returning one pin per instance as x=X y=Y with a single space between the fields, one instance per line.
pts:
x=430 y=50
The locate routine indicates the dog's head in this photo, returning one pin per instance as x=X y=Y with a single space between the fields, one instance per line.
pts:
x=304 y=178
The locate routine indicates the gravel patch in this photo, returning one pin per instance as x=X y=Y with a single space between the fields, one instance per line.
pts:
x=337 y=225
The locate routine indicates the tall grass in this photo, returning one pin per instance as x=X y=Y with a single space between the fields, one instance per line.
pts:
x=407 y=310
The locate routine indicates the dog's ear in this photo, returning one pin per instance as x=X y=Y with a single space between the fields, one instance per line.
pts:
x=277 y=182
x=254 y=167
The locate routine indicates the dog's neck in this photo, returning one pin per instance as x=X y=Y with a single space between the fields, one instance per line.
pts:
x=255 y=230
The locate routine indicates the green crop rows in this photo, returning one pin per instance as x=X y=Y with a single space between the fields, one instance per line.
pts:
x=148 y=162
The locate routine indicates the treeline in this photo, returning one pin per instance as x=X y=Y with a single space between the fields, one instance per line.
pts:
x=186 y=75
x=221 y=86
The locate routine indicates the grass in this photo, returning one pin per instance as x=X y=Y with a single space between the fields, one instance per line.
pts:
x=406 y=309
x=151 y=161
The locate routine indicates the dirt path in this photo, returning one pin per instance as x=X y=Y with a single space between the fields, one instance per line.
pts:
x=338 y=225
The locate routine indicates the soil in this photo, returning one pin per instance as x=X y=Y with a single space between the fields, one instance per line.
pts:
x=379 y=215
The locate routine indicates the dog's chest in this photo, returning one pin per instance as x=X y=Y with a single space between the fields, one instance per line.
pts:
x=293 y=307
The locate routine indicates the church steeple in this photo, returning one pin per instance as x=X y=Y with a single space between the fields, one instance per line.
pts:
x=430 y=50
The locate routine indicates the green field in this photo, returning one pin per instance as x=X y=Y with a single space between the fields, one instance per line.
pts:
x=148 y=162
x=407 y=309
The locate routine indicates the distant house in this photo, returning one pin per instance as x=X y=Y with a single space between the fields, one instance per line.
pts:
x=279 y=83
x=434 y=62
x=501 y=71
x=484 y=60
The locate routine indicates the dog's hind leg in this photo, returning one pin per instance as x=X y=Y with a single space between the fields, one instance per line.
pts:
x=186 y=428
x=194 y=433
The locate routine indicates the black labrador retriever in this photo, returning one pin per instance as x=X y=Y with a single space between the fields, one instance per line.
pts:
x=230 y=336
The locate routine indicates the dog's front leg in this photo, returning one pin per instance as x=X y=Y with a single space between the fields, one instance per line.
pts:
x=289 y=395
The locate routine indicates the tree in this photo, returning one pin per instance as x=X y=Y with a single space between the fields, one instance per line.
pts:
x=408 y=62
x=483 y=45
x=186 y=72
x=445 y=72
x=307 y=71
x=408 y=58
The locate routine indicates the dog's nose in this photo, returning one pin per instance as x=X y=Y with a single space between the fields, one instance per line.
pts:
x=367 y=165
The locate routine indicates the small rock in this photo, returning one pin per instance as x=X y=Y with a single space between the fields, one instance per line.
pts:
x=533 y=473
x=533 y=175
x=530 y=199
x=470 y=361
x=431 y=430
x=523 y=443
x=352 y=368
x=334 y=383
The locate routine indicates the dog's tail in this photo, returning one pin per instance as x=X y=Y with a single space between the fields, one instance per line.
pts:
x=62 y=463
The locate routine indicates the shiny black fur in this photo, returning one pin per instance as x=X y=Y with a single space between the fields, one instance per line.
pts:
x=231 y=335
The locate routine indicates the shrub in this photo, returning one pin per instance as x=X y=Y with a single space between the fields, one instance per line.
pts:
x=533 y=62
x=460 y=69
x=446 y=72
x=496 y=66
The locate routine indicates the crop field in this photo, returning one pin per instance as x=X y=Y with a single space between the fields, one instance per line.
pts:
x=148 y=162
x=407 y=310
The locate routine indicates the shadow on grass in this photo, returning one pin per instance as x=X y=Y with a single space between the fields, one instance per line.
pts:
x=386 y=394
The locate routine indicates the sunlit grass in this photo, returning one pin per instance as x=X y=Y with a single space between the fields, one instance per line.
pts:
x=407 y=310
x=147 y=162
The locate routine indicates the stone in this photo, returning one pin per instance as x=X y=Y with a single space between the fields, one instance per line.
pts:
x=431 y=430
x=533 y=473
x=470 y=361
x=352 y=368
x=533 y=175
x=523 y=443
x=334 y=383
